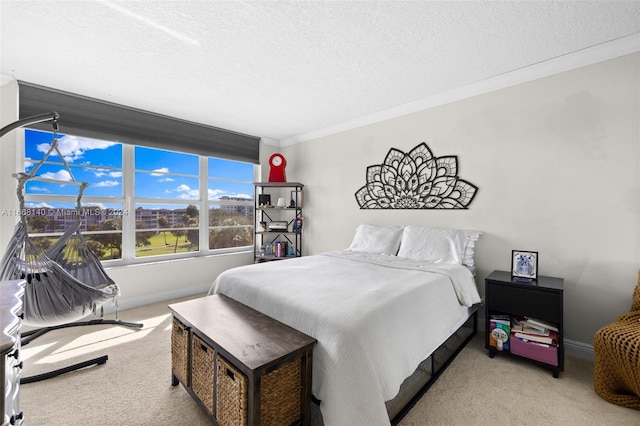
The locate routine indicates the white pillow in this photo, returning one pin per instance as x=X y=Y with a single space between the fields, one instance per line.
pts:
x=468 y=258
x=432 y=245
x=377 y=239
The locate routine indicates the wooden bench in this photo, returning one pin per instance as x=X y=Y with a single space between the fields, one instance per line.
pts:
x=241 y=366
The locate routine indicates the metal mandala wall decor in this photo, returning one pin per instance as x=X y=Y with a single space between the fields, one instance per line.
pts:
x=415 y=180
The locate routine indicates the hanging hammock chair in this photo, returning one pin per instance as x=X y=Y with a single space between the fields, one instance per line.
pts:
x=66 y=282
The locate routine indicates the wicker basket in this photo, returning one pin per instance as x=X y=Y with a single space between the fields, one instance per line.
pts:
x=231 y=395
x=180 y=351
x=203 y=372
x=281 y=394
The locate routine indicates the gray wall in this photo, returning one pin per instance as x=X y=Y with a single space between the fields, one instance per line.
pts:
x=557 y=162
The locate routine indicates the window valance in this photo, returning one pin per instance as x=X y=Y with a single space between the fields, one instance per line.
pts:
x=94 y=118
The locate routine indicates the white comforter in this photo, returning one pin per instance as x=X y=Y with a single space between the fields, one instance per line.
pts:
x=375 y=318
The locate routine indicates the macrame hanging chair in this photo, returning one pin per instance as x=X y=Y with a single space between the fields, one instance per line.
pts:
x=66 y=282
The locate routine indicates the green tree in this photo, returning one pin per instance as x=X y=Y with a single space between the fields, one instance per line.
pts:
x=163 y=223
x=178 y=232
x=143 y=237
x=37 y=224
x=191 y=219
x=109 y=242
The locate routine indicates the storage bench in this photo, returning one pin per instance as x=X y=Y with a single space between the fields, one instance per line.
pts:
x=241 y=366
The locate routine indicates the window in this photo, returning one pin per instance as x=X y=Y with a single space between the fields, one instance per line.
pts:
x=141 y=202
x=230 y=205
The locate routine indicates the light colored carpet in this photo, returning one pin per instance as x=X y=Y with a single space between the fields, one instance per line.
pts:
x=134 y=386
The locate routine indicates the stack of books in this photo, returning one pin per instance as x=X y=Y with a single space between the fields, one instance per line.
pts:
x=534 y=330
x=534 y=339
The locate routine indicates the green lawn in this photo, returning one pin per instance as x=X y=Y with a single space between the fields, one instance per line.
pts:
x=158 y=246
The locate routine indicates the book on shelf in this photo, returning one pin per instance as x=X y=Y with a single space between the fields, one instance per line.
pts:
x=539 y=324
x=551 y=339
x=499 y=339
x=519 y=324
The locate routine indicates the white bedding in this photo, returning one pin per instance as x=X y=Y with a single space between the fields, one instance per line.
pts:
x=375 y=317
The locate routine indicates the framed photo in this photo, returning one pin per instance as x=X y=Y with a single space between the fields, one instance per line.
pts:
x=264 y=200
x=297 y=198
x=524 y=265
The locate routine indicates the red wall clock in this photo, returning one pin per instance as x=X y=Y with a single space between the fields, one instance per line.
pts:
x=277 y=163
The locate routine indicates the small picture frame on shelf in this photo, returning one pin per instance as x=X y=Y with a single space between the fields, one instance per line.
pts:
x=297 y=199
x=524 y=265
x=264 y=200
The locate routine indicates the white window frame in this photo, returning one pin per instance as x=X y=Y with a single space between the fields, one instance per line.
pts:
x=129 y=202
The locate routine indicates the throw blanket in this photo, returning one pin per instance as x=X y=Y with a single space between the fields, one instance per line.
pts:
x=375 y=318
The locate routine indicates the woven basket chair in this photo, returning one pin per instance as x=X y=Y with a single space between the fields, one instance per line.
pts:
x=617 y=357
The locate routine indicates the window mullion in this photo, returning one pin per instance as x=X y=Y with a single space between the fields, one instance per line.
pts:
x=128 y=188
x=204 y=205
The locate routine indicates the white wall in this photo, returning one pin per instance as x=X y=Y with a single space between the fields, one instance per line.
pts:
x=8 y=160
x=557 y=162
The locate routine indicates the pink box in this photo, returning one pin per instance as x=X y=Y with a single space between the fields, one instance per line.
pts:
x=548 y=355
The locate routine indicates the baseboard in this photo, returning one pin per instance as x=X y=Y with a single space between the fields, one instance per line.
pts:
x=579 y=349
x=148 y=299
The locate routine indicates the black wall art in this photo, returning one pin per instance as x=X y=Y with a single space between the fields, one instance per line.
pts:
x=415 y=180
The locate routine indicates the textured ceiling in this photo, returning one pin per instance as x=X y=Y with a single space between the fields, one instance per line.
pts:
x=281 y=69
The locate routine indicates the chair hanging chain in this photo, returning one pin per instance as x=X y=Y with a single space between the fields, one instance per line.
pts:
x=23 y=178
x=54 y=147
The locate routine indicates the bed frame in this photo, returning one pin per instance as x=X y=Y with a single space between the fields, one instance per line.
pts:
x=425 y=375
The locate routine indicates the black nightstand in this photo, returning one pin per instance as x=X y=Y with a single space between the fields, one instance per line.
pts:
x=541 y=299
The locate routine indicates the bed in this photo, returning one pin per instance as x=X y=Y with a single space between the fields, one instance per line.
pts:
x=380 y=310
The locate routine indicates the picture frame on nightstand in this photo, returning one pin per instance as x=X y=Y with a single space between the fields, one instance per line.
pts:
x=524 y=265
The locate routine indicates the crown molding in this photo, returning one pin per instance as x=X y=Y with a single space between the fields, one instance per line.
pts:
x=568 y=62
x=269 y=141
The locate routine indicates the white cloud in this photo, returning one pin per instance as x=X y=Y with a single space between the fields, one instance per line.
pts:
x=187 y=193
x=73 y=148
x=167 y=180
x=59 y=175
x=38 y=189
x=106 y=172
x=161 y=171
x=41 y=205
x=215 y=193
x=106 y=183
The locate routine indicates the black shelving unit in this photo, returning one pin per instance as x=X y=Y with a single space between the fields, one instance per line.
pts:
x=541 y=299
x=271 y=215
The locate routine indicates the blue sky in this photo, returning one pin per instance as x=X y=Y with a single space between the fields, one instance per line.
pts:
x=159 y=174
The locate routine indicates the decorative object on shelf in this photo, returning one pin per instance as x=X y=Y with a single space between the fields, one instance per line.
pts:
x=277 y=164
x=281 y=202
x=501 y=336
x=278 y=225
x=297 y=199
x=415 y=180
x=524 y=265
x=297 y=226
x=262 y=226
x=264 y=200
